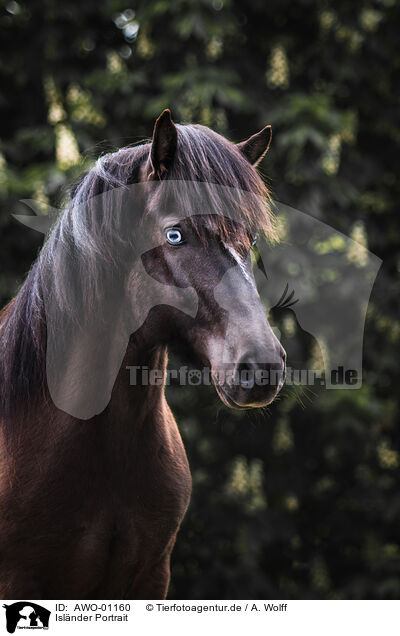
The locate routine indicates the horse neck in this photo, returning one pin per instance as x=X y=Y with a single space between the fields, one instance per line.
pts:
x=135 y=395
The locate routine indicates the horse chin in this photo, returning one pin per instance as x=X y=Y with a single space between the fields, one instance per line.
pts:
x=235 y=403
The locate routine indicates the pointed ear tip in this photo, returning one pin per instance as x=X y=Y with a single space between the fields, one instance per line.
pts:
x=166 y=113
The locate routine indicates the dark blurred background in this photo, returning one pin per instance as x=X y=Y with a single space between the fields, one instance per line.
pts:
x=301 y=501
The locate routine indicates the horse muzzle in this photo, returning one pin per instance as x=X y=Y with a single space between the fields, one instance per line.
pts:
x=251 y=384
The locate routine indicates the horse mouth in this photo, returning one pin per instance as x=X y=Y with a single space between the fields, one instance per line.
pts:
x=247 y=402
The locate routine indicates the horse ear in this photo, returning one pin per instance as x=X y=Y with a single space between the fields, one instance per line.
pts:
x=256 y=146
x=165 y=136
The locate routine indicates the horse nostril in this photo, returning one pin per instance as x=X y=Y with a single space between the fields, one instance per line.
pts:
x=246 y=369
x=247 y=366
x=250 y=372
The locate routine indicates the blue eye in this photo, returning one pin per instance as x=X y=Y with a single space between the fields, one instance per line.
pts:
x=173 y=236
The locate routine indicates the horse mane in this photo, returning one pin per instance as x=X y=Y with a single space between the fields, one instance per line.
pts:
x=92 y=237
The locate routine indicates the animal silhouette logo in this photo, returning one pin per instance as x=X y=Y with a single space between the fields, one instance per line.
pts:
x=26 y=615
x=331 y=276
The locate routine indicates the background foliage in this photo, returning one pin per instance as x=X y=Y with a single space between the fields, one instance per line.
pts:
x=302 y=501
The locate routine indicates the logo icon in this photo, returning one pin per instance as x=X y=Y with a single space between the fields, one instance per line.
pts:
x=26 y=615
x=321 y=322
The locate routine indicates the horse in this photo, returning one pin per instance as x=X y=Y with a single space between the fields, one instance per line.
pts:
x=94 y=479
